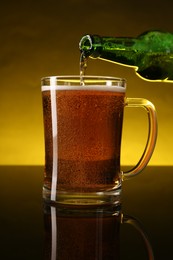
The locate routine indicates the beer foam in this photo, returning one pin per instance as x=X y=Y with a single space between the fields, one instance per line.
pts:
x=108 y=87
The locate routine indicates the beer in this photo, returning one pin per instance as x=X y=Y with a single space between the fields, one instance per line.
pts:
x=85 y=147
x=82 y=67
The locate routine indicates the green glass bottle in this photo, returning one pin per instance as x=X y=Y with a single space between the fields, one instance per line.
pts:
x=151 y=53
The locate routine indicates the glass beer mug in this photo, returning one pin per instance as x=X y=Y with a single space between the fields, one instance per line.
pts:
x=83 y=129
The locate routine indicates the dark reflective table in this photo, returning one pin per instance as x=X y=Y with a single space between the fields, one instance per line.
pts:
x=30 y=229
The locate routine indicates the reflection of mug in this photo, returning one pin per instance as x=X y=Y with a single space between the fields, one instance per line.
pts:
x=77 y=234
x=83 y=127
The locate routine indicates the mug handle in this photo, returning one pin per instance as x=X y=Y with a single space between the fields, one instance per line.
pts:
x=152 y=134
x=125 y=219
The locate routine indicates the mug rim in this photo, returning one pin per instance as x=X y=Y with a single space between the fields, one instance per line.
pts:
x=89 y=81
x=78 y=77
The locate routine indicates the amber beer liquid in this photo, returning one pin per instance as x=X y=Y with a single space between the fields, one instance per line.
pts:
x=83 y=126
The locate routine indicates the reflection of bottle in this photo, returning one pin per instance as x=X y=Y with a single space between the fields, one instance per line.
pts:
x=151 y=53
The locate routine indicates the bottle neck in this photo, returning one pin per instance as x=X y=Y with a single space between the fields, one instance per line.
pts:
x=119 y=49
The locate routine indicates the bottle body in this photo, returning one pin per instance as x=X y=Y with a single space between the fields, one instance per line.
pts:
x=151 y=54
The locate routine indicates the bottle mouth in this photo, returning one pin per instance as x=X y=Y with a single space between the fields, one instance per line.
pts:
x=85 y=44
x=90 y=45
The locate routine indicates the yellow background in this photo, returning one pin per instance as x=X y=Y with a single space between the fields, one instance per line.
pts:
x=40 y=38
